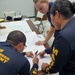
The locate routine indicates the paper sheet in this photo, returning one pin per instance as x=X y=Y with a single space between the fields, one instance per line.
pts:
x=3 y=37
x=16 y=25
x=32 y=38
x=45 y=59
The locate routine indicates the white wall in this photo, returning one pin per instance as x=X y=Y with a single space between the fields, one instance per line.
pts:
x=51 y=0
x=25 y=7
x=72 y=0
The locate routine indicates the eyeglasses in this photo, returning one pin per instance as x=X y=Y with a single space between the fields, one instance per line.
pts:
x=24 y=44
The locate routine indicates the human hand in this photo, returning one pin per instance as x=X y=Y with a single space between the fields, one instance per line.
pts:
x=44 y=65
x=40 y=43
x=29 y=54
x=2 y=27
x=41 y=53
x=35 y=60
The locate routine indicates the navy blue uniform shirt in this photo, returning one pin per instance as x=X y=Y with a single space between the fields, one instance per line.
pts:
x=12 y=62
x=63 y=51
x=49 y=19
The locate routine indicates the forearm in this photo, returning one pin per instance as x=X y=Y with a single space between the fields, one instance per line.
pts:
x=60 y=55
x=48 y=51
x=49 y=34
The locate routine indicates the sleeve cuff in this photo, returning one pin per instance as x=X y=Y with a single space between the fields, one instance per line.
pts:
x=47 y=70
x=23 y=53
x=35 y=65
x=34 y=70
x=48 y=51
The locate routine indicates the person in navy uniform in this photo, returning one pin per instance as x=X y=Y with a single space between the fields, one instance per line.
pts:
x=63 y=50
x=12 y=62
x=44 y=7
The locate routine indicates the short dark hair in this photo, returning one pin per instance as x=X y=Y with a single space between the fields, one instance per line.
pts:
x=64 y=7
x=42 y=1
x=16 y=37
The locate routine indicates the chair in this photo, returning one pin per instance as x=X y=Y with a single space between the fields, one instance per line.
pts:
x=38 y=22
x=9 y=15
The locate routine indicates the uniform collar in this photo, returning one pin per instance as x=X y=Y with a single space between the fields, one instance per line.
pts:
x=5 y=43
